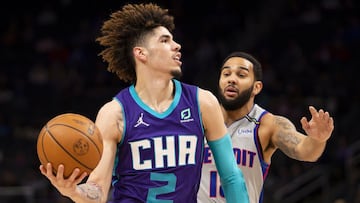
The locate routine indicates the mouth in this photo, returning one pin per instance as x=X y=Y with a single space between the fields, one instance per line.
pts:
x=231 y=91
x=177 y=58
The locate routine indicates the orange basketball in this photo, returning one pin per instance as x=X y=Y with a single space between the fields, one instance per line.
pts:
x=72 y=140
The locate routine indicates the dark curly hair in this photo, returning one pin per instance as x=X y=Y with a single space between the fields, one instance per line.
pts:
x=256 y=64
x=126 y=29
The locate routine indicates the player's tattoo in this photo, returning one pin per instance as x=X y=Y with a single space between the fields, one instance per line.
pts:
x=284 y=123
x=287 y=140
x=91 y=191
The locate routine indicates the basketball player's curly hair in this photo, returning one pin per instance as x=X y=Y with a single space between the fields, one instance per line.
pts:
x=126 y=29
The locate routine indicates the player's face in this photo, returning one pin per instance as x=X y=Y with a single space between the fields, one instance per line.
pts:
x=236 y=83
x=164 y=53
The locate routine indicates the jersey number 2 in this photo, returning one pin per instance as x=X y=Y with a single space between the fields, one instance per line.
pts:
x=170 y=178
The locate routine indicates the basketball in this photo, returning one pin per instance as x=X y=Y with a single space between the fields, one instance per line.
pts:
x=72 y=140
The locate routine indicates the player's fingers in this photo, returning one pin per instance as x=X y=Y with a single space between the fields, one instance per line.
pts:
x=60 y=172
x=331 y=123
x=313 y=111
x=321 y=113
x=74 y=174
x=79 y=179
x=42 y=169
x=304 y=123
x=72 y=180
x=49 y=172
x=328 y=115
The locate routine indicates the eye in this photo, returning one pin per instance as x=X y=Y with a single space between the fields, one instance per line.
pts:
x=225 y=74
x=165 y=39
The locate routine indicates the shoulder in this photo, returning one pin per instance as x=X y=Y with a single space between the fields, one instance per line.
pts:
x=272 y=121
x=209 y=106
x=271 y=124
x=211 y=114
x=110 y=120
x=207 y=98
x=109 y=108
x=277 y=121
x=267 y=127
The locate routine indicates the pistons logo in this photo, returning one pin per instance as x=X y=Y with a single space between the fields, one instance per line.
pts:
x=81 y=147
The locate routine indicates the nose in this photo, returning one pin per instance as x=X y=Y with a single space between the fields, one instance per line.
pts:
x=231 y=79
x=177 y=46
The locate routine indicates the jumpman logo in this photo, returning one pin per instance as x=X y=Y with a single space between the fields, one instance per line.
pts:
x=140 y=121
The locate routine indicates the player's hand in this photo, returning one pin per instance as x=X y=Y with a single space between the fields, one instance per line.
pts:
x=320 y=126
x=66 y=187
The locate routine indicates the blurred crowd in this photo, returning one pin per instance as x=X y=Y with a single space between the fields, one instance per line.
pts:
x=49 y=65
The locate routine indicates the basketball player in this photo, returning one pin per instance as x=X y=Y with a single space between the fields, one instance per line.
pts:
x=153 y=131
x=256 y=133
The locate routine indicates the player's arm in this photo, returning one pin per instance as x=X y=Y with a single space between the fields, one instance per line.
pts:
x=110 y=123
x=109 y=120
x=299 y=146
x=219 y=141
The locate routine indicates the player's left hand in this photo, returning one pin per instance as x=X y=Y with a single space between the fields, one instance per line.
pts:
x=320 y=126
x=66 y=186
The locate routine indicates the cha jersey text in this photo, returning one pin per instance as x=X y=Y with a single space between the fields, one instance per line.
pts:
x=161 y=152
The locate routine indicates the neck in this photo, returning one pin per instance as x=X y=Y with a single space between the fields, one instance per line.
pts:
x=234 y=115
x=157 y=94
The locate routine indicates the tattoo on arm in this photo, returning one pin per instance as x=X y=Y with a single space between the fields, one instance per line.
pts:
x=91 y=191
x=287 y=141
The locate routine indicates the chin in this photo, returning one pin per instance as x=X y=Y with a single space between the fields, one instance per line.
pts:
x=177 y=74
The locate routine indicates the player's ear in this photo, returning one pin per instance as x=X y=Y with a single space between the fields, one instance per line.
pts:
x=258 y=85
x=139 y=53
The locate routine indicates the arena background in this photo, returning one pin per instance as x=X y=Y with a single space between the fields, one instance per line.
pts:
x=49 y=65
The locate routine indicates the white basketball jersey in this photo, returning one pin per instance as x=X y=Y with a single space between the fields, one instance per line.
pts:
x=248 y=154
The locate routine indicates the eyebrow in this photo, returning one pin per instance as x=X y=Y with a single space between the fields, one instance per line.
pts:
x=238 y=67
x=166 y=36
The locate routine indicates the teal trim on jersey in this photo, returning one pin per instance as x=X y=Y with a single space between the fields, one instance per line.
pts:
x=232 y=179
x=116 y=161
x=201 y=124
x=124 y=119
x=198 y=103
x=172 y=106
x=114 y=181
